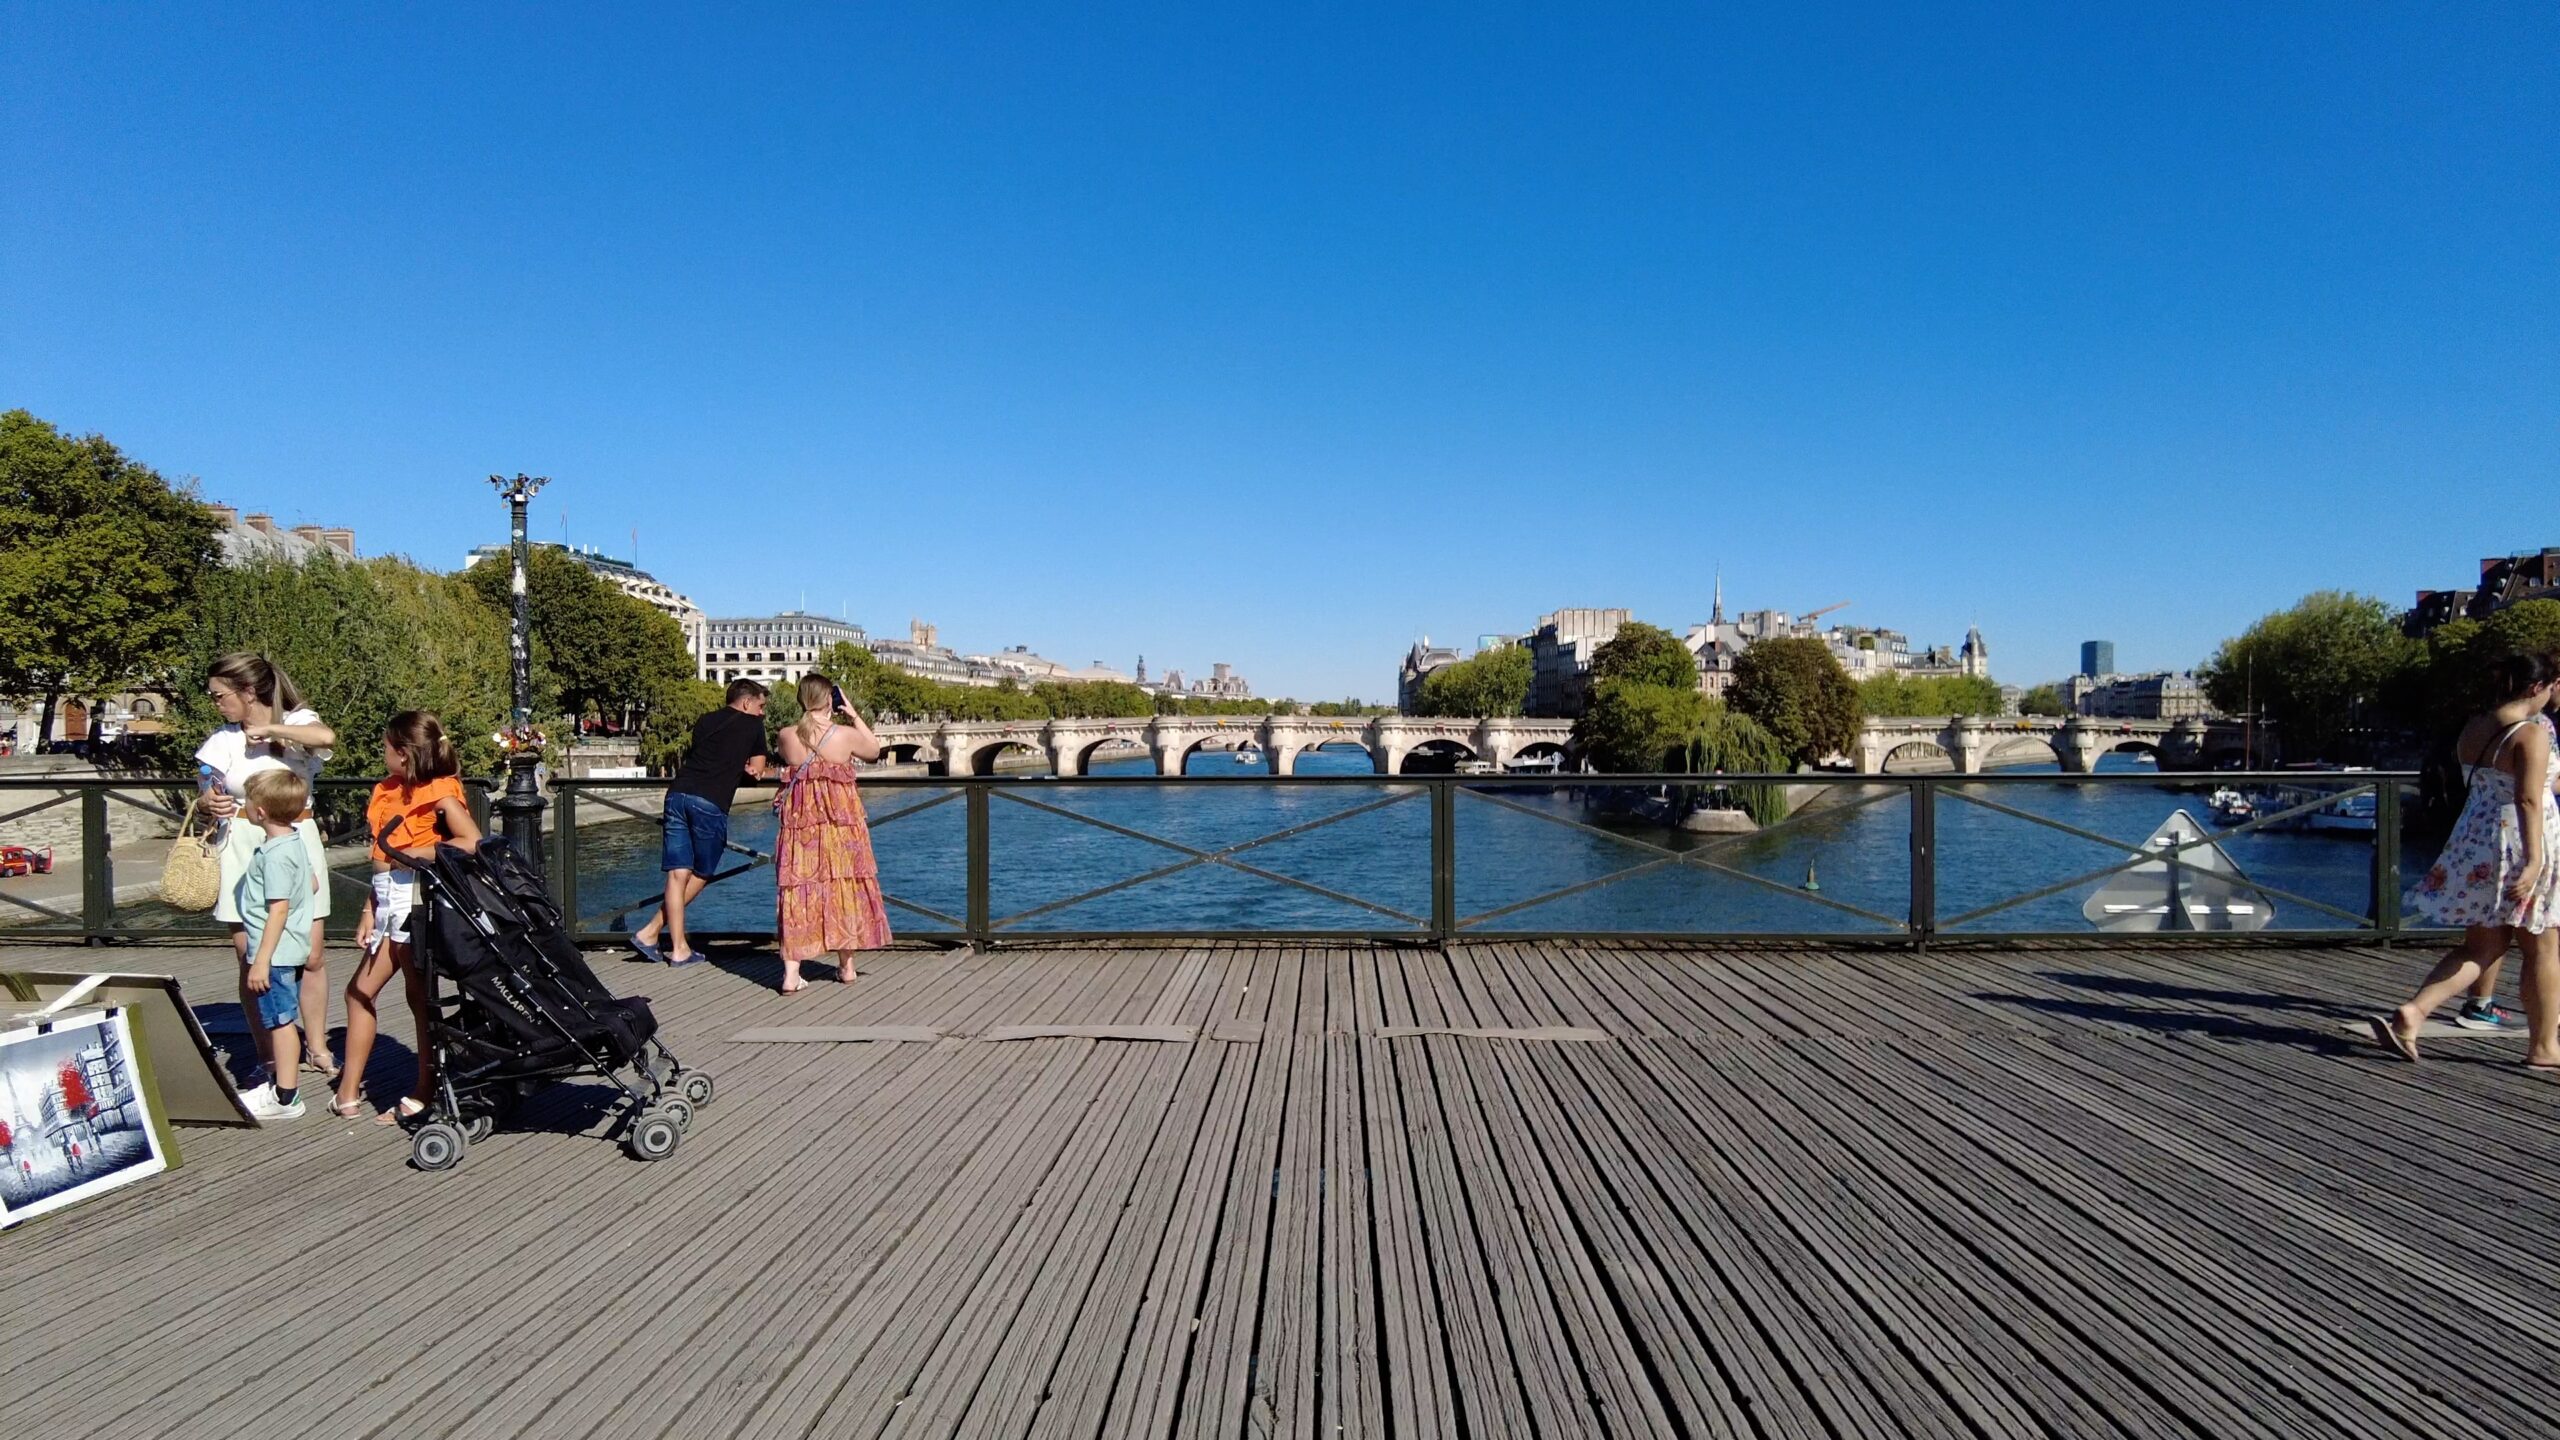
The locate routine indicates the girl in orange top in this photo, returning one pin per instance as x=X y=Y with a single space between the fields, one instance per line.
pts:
x=421 y=790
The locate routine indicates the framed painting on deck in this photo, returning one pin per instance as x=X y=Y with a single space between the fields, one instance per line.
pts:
x=75 y=1112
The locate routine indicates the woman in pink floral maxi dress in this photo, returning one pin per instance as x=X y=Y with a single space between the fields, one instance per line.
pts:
x=2499 y=875
x=828 y=879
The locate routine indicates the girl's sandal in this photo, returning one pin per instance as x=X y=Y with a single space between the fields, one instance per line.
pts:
x=401 y=1114
x=346 y=1109
x=321 y=1065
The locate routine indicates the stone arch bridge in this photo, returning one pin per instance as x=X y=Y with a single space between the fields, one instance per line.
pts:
x=1967 y=744
x=970 y=747
x=1972 y=744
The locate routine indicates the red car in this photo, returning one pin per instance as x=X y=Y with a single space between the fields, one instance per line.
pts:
x=19 y=860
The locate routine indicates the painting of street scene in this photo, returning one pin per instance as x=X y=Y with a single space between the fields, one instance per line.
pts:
x=72 y=1121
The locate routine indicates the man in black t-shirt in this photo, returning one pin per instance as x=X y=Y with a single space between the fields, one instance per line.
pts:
x=728 y=748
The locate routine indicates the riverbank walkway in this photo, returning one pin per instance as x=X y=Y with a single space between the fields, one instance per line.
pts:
x=1503 y=1190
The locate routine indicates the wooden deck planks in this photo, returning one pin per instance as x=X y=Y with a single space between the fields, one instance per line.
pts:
x=1994 y=1192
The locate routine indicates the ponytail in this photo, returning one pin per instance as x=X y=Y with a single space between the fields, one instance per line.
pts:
x=259 y=678
x=424 y=751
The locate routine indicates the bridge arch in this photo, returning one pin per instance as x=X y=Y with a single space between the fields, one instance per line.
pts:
x=1080 y=753
x=2134 y=745
x=1915 y=755
x=2033 y=748
x=901 y=752
x=979 y=757
x=1436 y=756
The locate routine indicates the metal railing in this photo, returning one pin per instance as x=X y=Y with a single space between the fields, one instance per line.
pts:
x=1003 y=879
x=1364 y=857
x=105 y=905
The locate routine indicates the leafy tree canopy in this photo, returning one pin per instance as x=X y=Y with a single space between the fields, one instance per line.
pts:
x=1492 y=684
x=2319 y=670
x=668 y=730
x=98 y=557
x=2043 y=700
x=1645 y=655
x=1631 y=728
x=363 y=641
x=1896 y=694
x=1797 y=691
x=1732 y=743
x=595 y=649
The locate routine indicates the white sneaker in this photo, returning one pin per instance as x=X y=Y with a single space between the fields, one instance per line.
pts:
x=262 y=1104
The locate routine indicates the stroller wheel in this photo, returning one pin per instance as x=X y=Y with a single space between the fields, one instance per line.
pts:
x=652 y=1137
x=436 y=1146
x=675 y=1108
x=696 y=1088
x=479 y=1127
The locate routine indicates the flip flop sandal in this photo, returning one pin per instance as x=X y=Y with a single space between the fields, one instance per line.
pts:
x=2392 y=1040
x=646 y=951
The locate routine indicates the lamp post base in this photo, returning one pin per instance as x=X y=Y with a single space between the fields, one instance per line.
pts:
x=519 y=811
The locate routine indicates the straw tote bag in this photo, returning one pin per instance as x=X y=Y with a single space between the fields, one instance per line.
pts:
x=192 y=878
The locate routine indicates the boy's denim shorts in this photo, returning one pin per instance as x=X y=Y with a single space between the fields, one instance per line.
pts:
x=282 y=1004
x=697 y=831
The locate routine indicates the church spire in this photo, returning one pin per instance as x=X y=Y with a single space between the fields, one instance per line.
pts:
x=1718 y=617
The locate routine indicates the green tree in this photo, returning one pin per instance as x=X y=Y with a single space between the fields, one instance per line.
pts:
x=668 y=730
x=2449 y=682
x=1489 y=685
x=1093 y=700
x=1896 y=694
x=2320 y=670
x=2043 y=700
x=1631 y=728
x=98 y=557
x=593 y=646
x=1728 y=742
x=363 y=641
x=1645 y=655
x=1800 y=695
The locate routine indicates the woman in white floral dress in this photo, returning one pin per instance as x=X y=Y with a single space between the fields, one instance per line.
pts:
x=2499 y=875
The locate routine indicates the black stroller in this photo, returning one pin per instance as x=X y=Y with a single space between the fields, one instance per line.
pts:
x=512 y=1004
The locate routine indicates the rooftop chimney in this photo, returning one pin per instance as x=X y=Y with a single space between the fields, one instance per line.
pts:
x=225 y=516
x=340 y=539
x=263 y=524
x=308 y=532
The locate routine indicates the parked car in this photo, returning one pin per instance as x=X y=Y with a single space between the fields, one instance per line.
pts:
x=19 y=860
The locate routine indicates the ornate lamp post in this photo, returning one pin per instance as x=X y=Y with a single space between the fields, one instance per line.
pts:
x=520 y=808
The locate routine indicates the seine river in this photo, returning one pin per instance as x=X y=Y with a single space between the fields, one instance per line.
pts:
x=1858 y=856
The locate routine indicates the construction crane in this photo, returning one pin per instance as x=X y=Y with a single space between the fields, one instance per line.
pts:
x=1825 y=610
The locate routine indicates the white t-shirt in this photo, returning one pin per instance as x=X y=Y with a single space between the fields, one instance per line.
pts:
x=235 y=757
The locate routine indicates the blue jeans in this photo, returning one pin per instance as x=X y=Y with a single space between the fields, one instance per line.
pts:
x=697 y=831
x=282 y=1004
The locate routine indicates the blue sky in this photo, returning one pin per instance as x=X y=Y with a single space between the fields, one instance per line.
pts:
x=1284 y=335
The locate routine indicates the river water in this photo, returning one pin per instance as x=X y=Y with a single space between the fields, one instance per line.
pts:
x=1858 y=855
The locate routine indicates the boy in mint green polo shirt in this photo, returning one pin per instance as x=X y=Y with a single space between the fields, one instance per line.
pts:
x=275 y=898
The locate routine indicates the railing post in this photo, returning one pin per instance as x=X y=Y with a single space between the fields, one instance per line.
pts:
x=1444 y=858
x=1924 y=860
x=2386 y=858
x=974 y=800
x=97 y=882
x=564 y=852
